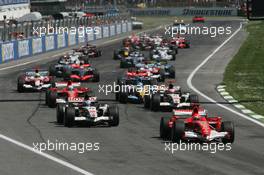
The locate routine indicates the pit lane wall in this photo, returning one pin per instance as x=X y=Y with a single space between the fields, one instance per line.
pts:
x=181 y=11
x=18 y=49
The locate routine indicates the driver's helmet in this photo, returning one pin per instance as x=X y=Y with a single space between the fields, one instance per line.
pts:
x=126 y=53
x=70 y=88
x=87 y=102
x=37 y=75
x=195 y=114
x=81 y=62
x=171 y=88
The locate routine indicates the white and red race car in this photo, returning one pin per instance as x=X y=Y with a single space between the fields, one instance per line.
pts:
x=34 y=80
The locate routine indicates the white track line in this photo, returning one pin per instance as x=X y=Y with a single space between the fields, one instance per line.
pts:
x=62 y=162
x=190 y=85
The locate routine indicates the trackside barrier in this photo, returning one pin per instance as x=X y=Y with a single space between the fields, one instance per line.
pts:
x=19 y=49
x=185 y=11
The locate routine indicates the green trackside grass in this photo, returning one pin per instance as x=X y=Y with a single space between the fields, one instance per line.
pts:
x=155 y=21
x=244 y=75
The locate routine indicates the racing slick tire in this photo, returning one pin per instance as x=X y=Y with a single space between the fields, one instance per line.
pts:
x=20 y=84
x=177 y=131
x=147 y=101
x=194 y=99
x=47 y=93
x=162 y=75
x=98 y=53
x=174 y=49
x=173 y=55
x=60 y=113
x=172 y=72
x=69 y=117
x=164 y=128
x=115 y=55
x=52 y=70
x=155 y=102
x=228 y=126
x=52 y=99
x=123 y=97
x=114 y=112
x=96 y=76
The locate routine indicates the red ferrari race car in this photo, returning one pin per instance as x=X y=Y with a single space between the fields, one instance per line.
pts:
x=196 y=127
x=198 y=19
x=64 y=91
x=34 y=80
x=82 y=73
x=181 y=42
x=154 y=72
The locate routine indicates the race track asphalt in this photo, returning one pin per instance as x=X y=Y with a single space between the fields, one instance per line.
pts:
x=134 y=147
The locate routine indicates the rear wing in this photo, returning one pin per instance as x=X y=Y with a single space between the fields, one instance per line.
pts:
x=184 y=112
x=65 y=84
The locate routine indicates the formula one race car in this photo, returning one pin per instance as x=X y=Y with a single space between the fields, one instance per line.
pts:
x=133 y=89
x=154 y=73
x=163 y=53
x=169 y=99
x=158 y=67
x=198 y=19
x=196 y=127
x=34 y=80
x=87 y=110
x=90 y=50
x=65 y=62
x=63 y=91
x=121 y=53
x=180 y=42
x=81 y=73
x=131 y=60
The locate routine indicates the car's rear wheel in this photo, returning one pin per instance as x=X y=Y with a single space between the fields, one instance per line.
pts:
x=172 y=72
x=155 y=102
x=52 y=99
x=228 y=126
x=114 y=112
x=20 y=84
x=123 y=97
x=69 y=117
x=147 y=101
x=162 y=75
x=96 y=76
x=60 y=113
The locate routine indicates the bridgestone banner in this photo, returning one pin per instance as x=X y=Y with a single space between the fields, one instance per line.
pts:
x=181 y=11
